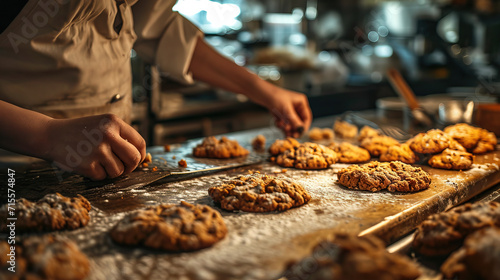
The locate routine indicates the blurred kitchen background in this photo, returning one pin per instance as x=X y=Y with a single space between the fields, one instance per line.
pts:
x=337 y=52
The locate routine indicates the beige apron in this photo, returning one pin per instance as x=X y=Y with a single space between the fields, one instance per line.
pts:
x=71 y=58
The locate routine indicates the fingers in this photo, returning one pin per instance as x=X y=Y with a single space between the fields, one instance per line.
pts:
x=135 y=139
x=112 y=165
x=127 y=153
x=304 y=111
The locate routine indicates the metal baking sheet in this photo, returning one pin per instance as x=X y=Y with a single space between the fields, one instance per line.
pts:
x=258 y=245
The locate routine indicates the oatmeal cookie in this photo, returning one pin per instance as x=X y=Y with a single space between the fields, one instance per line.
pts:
x=169 y=227
x=443 y=233
x=349 y=153
x=476 y=140
x=368 y=132
x=52 y=212
x=346 y=257
x=344 y=129
x=281 y=145
x=378 y=145
x=451 y=159
x=477 y=259
x=401 y=153
x=211 y=147
x=393 y=176
x=431 y=142
x=259 y=193
x=307 y=156
x=46 y=257
x=259 y=143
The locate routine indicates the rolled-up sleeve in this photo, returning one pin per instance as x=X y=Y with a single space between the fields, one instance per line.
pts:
x=165 y=38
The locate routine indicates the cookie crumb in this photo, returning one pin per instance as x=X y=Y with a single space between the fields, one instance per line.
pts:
x=166 y=148
x=148 y=158
x=182 y=163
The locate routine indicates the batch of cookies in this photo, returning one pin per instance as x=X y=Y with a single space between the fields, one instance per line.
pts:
x=187 y=227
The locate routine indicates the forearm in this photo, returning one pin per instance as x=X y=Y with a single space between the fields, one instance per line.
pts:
x=23 y=131
x=208 y=66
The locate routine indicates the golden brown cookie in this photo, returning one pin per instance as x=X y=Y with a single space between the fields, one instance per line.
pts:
x=346 y=257
x=368 y=132
x=211 y=147
x=52 y=212
x=184 y=227
x=430 y=142
x=349 y=153
x=259 y=193
x=479 y=258
x=451 y=159
x=393 y=176
x=259 y=142
x=465 y=134
x=443 y=233
x=315 y=134
x=487 y=142
x=281 y=145
x=344 y=129
x=454 y=145
x=307 y=156
x=378 y=145
x=401 y=153
x=44 y=258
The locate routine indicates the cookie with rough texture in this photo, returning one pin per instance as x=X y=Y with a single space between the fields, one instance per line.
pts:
x=259 y=142
x=452 y=159
x=281 y=145
x=393 y=176
x=46 y=257
x=454 y=145
x=169 y=227
x=344 y=129
x=487 y=142
x=477 y=259
x=307 y=156
x=476 y=140
x=378 y=145
x=465 y=134
x=431 y=142
x=259 y=193
x=401 y=153
x=52 y=212
x=347 y=257
x=315 y=134
x=443 y=233
x=368 y=132
x=349 y=153
x=212 y=147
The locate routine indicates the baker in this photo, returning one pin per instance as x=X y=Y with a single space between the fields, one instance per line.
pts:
x=66 y=85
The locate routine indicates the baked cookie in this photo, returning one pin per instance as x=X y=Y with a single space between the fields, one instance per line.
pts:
x=401 y=153
x=476 y=140
x=347 y=257
x=211 y=147
x=259 y=193
x=368 y=132
x=169 y=227
x=451 y=159
x=430 y=142
x=487 y=142
x=378 y=145
x=454 y=145
x=46 y=257
x=281 y=145
x=52 y=212
x=477 y=259
x=443 y=233
x=259 y=142
x=315 y=134
x=307 y=156
x=344 y=129
x=349 y=153
x=393 y=176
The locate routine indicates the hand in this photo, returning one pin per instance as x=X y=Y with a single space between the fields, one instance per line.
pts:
x=291 y=111
x=98 y=147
